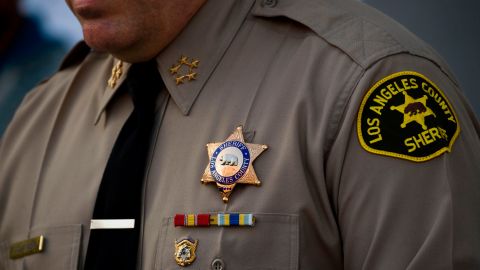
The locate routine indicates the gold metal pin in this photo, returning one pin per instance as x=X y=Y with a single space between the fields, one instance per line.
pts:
x=117 y=72
x=185 y=251
x=27 y=247
x=184 y=70
x=231 y=163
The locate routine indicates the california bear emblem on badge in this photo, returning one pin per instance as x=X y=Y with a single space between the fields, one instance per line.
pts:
x=406 y=115
x=230 y=163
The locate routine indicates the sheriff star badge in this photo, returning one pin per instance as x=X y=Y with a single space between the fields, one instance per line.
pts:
x=230 y=163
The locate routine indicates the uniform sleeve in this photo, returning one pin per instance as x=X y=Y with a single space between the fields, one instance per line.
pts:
x=405 y=166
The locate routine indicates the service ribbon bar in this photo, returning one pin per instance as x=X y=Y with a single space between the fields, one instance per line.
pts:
x=221 y=220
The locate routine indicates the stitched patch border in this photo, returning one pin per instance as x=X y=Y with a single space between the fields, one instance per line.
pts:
x=405 y=115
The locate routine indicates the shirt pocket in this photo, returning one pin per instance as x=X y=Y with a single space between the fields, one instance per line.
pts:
x=272 y=243
x=61 y=250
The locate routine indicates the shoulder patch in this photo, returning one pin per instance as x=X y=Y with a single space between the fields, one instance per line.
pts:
x=405 y=115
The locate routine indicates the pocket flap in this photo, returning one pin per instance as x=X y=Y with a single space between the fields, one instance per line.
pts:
x=60 y=251
x=272 y=243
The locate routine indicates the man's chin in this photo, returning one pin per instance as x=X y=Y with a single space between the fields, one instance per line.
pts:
x=120 y=49
x=104 y=40
x=120 y=42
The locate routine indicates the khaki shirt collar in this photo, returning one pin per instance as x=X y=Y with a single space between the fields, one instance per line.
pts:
x=109 y=92
x=206 y=38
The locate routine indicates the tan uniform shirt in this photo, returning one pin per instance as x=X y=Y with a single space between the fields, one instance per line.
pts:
x=294 y=74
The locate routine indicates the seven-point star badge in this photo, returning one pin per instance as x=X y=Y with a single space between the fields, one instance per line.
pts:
x=230 y=163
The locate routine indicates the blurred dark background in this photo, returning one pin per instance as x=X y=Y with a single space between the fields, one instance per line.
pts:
x=34 y=37
x=452 y=27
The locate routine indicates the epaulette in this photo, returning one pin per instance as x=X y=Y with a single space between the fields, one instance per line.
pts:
x=76 y=55
x=363 y=33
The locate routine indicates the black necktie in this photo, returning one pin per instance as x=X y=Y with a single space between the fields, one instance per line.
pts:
x=120 y=192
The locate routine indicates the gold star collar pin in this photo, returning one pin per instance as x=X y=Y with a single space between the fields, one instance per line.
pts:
x=230 y=163
x=184 y=70
x=117 y=72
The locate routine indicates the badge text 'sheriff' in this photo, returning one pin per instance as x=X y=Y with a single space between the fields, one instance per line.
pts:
x=406 y=115
x=230 y=163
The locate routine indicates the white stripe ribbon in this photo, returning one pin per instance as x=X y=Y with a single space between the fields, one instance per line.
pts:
x=96 y=224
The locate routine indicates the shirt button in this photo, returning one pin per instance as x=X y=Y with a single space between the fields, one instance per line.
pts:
x=218 y=264
x=269 y=3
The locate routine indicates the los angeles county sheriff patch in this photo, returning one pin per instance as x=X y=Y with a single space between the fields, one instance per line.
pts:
x=405 y=115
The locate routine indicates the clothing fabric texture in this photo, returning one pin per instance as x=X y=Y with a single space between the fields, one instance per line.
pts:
x=293 y=73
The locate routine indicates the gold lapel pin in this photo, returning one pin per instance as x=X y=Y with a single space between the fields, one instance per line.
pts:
x=27 y=247
x=117 y=72
x=185 y=251
x=187 y=72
